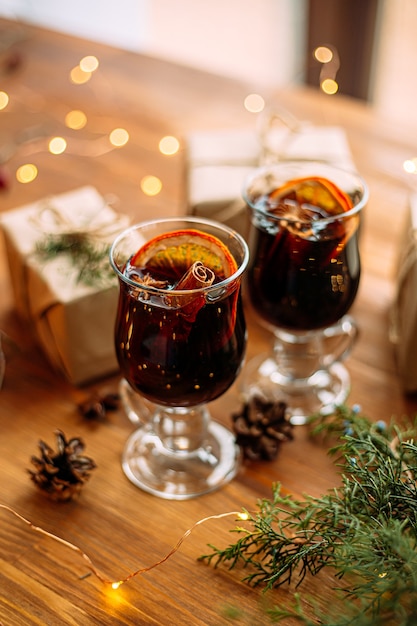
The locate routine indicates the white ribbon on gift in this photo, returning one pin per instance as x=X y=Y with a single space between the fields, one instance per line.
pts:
x=98 y=223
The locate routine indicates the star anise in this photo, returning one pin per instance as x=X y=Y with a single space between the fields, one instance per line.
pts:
x=96 y=406
x=148 y=281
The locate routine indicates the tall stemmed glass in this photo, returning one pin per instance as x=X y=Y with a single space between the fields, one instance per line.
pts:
x=180 y=341
x=303 y=278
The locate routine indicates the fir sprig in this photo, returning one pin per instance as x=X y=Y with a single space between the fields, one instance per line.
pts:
x=365 y=531
x=91 y=260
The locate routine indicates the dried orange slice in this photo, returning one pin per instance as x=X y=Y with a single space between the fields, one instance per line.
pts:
x=317 y=191
x=176 y=251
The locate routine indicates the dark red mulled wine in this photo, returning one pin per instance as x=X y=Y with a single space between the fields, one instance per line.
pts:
x=305 y=267
x=178 y=348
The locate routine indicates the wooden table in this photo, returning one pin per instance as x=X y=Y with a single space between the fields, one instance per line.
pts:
x=121 y=528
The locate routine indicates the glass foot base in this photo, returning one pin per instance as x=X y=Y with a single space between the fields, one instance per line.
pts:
x=320 y=393
x=179 y=476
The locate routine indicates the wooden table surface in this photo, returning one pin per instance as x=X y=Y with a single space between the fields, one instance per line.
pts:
x=121 y=528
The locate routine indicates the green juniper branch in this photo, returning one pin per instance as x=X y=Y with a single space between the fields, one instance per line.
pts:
x=365 y=531
x=91 y=261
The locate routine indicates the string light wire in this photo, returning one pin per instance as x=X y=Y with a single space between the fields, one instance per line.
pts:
x=116 y=584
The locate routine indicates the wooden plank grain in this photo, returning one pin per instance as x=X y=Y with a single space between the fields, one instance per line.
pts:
x=119 y=527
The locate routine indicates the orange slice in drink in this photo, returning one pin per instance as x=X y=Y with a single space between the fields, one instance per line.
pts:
x=175 y=252
x=316 y=191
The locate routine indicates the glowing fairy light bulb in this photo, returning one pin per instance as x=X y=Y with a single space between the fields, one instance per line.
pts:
x=323 y=54
x=117 y=584
x=78 y=76
x=254 y=103
x=151 y=185
x=119 y=137
x=75 y=120
x=57 y=145
x=169 y=145
x=329 y=86
x=243 y=516
x=4 y=100
x=410 y=166
x=26 y=173
x=89 y=64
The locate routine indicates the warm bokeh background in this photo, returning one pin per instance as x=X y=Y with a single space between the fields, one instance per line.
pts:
x=267 y=43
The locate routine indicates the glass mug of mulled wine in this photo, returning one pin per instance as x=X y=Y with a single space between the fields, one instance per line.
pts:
x=180 y=338
x=302 y=279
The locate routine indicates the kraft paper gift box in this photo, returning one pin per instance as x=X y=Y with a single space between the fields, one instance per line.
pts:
x=219 y=162
x=73 y=321
x=403 y=331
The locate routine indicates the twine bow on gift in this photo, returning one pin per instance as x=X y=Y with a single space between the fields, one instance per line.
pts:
x=99 y=224
x=276 y=131
x=85 y=237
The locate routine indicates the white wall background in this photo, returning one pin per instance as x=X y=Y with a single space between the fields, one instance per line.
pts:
x=259 y=41
x=121 y=23
x=395 y=77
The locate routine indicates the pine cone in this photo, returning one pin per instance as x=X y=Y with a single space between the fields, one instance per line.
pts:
x=61 y=474
x=261 y=427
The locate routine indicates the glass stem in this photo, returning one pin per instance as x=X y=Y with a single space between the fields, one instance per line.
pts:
x=298 y=356
x=182 y=429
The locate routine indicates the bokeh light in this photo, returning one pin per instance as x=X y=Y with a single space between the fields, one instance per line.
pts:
x=151 y=185
x=329 y=58
x=26 y=173
x=410 y=166
x=78 y=76
x=119 y=137
x=57 y=145
x=75 y=120
x=254 y=103
x=323 y=54
x=89 y=64
x=4 y=100
x=169 y=145
x=329 y=86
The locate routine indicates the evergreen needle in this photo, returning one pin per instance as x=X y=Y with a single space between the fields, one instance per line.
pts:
x=91 y=261
x=365 y=530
